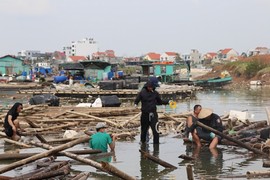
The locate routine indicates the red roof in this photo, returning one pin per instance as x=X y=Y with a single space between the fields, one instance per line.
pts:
x=171 y=53
x=225 y=51
x=77 y=58
x=154 y=56
x=212 y=54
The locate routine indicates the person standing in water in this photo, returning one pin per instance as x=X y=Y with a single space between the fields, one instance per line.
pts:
x=11 y=123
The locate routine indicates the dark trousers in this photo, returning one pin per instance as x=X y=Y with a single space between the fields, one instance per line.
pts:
x=149 y=119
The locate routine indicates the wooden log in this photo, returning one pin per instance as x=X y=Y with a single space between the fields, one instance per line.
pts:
x=81 y=176
x=46 y=175
x=96 y=118
x=231 y=139
x=262 y=173
x=157 y=160
x=131 y=119
x=189 y=172
x=185 y=157
x=17 y=143
x=90 y=162
x=172 y=118
x=5 y=177
x=51 y=167
x=43 y=154
x=113 y=170
x=266 y=163
x=33 y=125
x=10 y=156
x=267 y=109
x=55 y=127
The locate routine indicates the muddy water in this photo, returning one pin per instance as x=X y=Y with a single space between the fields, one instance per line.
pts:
x=224 y=162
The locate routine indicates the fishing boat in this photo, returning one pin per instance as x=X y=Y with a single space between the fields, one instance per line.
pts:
x=214 y=82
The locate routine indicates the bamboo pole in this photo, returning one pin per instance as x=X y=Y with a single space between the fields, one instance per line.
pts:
x=47 y=175
x=268 y=115
x=33 y=125
x=44 y=154
x=10 y=156
x=157 y=160
x=17 y=143
x=114 y=171
x=189 y=172
x=96 y=118
x=81 y=176
x=253 y=174
x=55 y=127
x=231 y=139
x=131 y=119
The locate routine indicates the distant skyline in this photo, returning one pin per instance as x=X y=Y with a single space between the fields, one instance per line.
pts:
x=133 y=28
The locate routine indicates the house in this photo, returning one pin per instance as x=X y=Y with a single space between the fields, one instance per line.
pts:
x=195 y=57
x=96 y=70
x=76 y=58
x=228 y=54
x=107 y=56
x=10 y=65
x=259 y=51
x=152 y=57
x=210 y=57
x=169 y=56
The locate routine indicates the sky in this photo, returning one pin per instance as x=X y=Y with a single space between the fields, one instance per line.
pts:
x=135 y=27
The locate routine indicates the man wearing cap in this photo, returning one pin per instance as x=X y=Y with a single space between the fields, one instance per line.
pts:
x=149 y=99
x=207 y=117
x=101 y=139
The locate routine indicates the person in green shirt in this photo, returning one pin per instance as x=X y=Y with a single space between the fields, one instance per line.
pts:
x=101 y=139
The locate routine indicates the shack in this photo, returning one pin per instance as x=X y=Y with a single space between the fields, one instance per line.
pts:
x=96 y=70
x=10 y=65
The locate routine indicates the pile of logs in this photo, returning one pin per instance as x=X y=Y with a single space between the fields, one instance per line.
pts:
x=49 y=124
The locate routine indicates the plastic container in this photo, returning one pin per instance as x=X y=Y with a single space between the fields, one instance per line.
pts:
x=59 y=79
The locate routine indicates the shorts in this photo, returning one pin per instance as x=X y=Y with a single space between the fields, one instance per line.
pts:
x=9 y=131
x=205 y=135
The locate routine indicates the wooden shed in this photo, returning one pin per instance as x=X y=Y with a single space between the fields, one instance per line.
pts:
x=96 y=70
x=10 y=65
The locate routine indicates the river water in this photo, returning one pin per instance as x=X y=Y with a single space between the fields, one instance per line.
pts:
x=224 y=162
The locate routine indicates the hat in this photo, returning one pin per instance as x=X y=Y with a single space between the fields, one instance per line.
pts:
x=205 y=112
x=154 y=81
x=101 y=125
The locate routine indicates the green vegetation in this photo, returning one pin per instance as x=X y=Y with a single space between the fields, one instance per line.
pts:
x=250 y=67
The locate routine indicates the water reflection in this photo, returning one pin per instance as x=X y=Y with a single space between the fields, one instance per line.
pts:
x=209 y=162
x=149 y=169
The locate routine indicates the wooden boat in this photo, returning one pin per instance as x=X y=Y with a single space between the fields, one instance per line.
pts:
x=213 y=82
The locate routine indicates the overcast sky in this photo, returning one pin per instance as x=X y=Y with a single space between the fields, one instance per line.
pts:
x=135 y=27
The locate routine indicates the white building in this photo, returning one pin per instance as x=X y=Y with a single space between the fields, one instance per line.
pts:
x=85 y=47
x=194 y=56
x=168 y=57
x=29 y=54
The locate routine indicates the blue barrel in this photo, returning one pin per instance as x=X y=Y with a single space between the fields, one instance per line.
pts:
x=59 y=79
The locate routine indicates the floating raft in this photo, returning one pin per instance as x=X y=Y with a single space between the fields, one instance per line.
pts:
x=176 y=93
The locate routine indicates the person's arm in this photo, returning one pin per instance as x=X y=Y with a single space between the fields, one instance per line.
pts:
x=160 y=101
x=112 y=144
x=138 y=99
x=10 y=122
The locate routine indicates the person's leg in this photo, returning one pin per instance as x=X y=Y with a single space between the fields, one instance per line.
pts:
x=214 y=143
x=196 y=138
x=154 y=127
x=15 y=136
x=144 y=126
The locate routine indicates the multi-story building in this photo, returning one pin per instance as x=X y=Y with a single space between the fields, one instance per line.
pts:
x=194 y=56
x=85 y=47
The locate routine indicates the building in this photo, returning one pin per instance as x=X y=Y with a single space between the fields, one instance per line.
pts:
x=107 y=56
x=210 y=57
x=10 y=65
x=85 y=47
x=76 y=58
x=259 y=51
x=195 y=57
x=168 y=56
x=152 y=57
x=227 y=54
